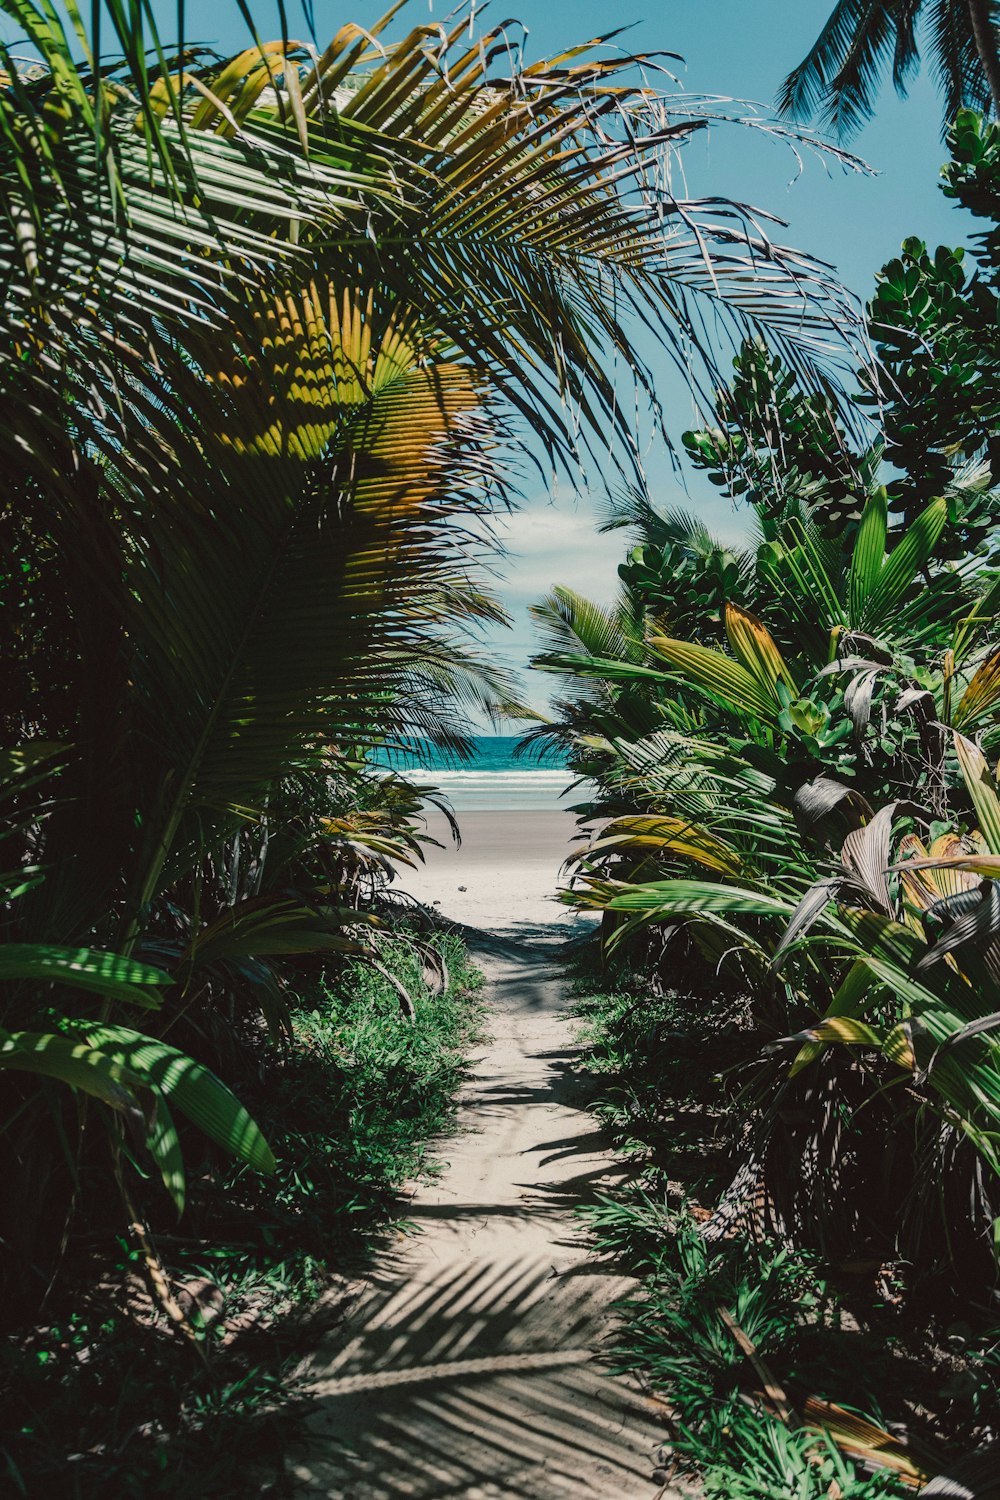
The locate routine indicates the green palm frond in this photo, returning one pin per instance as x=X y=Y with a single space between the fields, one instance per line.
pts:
x=957 y=64
x=840 y=77
x=572 y=623
x=413 y=166
x=862 y=25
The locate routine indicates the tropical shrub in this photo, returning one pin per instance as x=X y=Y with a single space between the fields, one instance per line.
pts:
x=101 y=1401
x=760 y=1355
x=793 y=754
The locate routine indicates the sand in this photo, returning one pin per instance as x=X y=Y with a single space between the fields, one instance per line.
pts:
x=504 y=877
x=469 y=1366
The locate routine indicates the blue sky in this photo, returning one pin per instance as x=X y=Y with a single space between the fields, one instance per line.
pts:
x=728 y=48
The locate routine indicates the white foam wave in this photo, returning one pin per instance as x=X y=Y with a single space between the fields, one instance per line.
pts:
x=495 y=790
x=562 y=778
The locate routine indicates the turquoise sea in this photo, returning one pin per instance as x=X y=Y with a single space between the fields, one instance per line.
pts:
x=495 y=779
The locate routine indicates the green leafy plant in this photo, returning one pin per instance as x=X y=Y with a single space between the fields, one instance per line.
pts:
x=769 y=1462
x=354 y=1105
x=789 y=782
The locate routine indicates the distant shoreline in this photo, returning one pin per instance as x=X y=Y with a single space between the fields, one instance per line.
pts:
x=496 y=779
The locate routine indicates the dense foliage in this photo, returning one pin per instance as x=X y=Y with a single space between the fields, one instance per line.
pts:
x=268 y=325
x=102 y=1397
x=779 y=1370
x=794 y=744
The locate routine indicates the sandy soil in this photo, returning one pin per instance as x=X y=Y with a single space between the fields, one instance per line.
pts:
x=469 y=1365
x=504 y=877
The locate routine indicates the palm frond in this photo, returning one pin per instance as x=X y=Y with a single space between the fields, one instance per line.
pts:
x=412 y=165
x=289 y=553
x=806 y=90
x=957 y=65
x=571 y=622
x=854 y=87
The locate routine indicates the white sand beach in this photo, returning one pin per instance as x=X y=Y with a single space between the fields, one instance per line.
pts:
x=505 y=875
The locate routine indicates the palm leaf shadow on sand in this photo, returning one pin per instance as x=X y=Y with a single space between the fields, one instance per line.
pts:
x=471 y=1366
x=482 y=1382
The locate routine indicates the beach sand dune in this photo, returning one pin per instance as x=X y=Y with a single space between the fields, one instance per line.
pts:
x=470 y=1366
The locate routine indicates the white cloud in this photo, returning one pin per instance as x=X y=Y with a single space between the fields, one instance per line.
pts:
x=546 y=546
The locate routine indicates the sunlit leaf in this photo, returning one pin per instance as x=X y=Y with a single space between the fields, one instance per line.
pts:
x=85 y=969
x=190 y=1087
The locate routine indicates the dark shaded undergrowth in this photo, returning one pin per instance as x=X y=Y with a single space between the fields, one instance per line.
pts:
x=105 y=1397
x=668 y=1067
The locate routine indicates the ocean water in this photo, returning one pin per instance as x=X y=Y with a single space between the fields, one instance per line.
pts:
x=495 y=779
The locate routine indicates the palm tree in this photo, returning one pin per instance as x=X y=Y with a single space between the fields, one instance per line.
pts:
x=259 y=323
x=233 y=296
x=841 y=76
x=527 y=213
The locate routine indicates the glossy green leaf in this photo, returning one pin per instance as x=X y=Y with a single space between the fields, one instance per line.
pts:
x=722 y=678
x=982 y=790
x=164 y=1146
x=191 y=1088
x=85 y=969
x=77 y=1064
x=866 y=561
x=756 y=648
x=982 y=694
x=905 y=561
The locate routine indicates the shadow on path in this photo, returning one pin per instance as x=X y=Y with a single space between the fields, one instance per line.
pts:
x=468 y=1365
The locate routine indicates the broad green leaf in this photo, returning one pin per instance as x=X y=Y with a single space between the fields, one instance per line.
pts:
x=869 y=550
x=981 y=695
x=898 y=1048
x=164 y=1146
x=852 y=990
x=85 y=969
x=755 y=646
x=75 y=1063
x=849 y=1030
x=983 y=612
x=982 y=790
x=708 y=926
x=878 y=935
x=597 y=666
x=798 y=570
x=671 y=835
x=695 y=897
x=904 y=562
x=846 y=1002
x=191 y=1087
x=892 y=952
x=718 y=675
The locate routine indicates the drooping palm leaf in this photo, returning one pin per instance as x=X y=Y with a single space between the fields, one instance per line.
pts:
x=415 y=165
x=841 y=75
x=286 y=585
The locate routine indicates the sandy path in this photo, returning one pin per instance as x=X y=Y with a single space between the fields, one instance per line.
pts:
x=466 y=1370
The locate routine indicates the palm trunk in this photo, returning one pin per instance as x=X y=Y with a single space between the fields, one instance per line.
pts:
x=980 y=14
